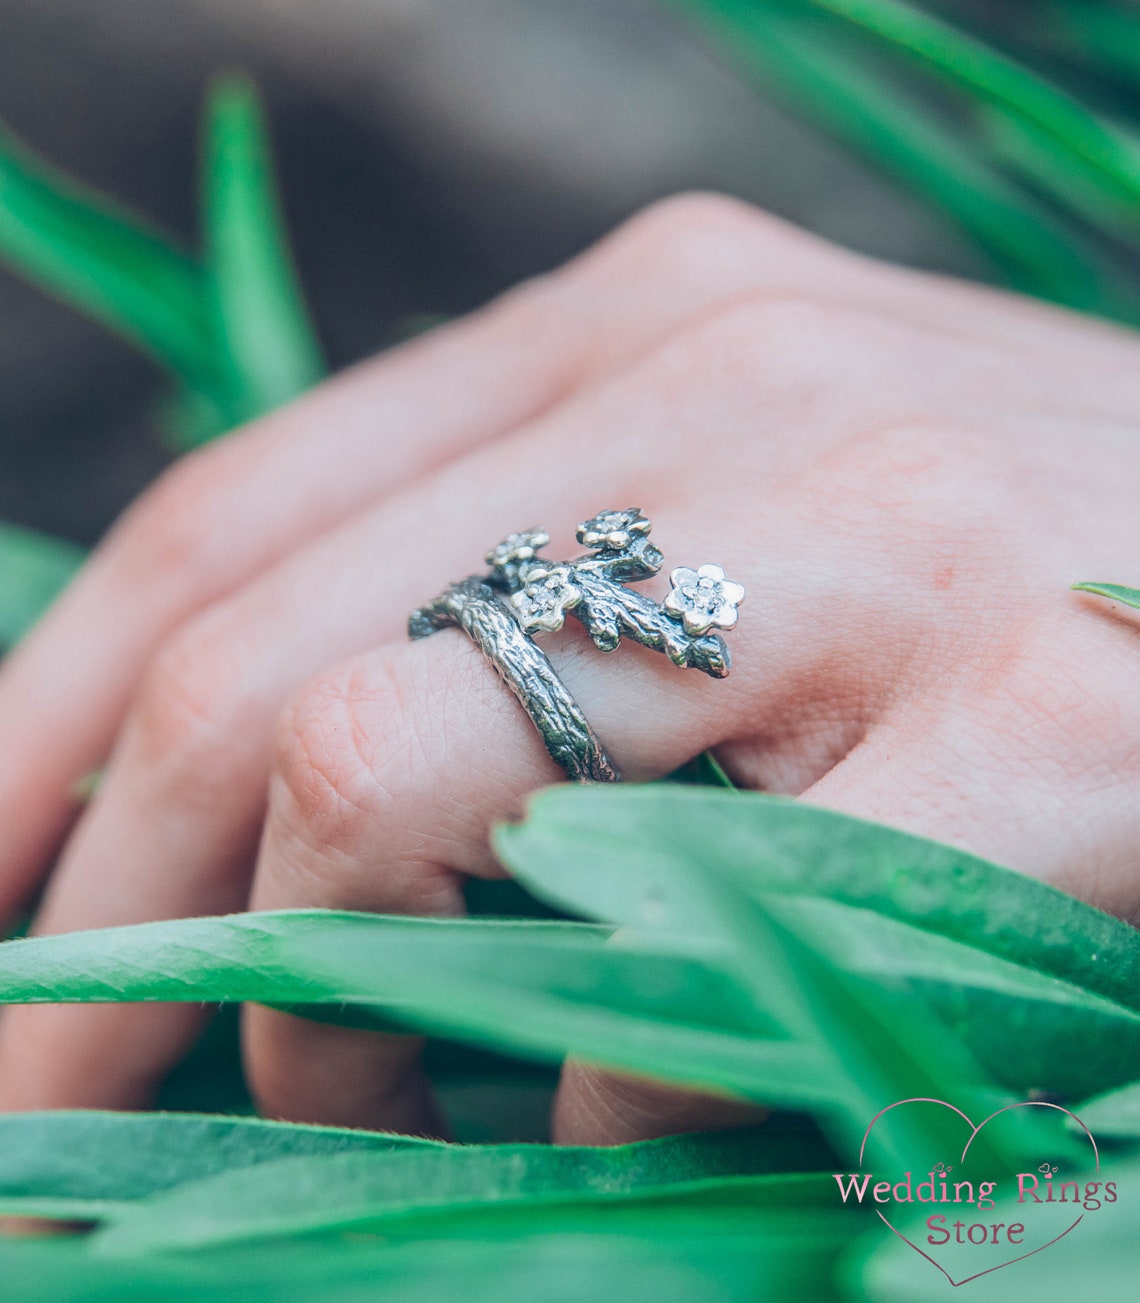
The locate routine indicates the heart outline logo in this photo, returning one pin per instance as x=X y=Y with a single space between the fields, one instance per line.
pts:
x=974 y=1130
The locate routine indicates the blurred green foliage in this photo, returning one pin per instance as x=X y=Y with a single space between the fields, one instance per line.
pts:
x=781 y=953
x=228 y=325
x=1047 y=188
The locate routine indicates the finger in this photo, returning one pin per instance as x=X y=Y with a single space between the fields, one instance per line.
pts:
x=391 y=770
x=975 y=761
x=186 y=787
x=594 y=1106
x=222 y=515
x=980 y=765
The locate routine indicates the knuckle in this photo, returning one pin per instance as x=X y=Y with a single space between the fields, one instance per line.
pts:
x=346 y=769
x=188 y=711
x=341 y=745
x=688 y=235
x=796 y=322
x=781 y=341
x=172 y=530
x=696 y=221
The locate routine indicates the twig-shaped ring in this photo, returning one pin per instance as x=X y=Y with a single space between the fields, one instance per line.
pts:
x=523 y=594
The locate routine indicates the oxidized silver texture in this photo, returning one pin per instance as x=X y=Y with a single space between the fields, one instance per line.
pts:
x=523 y=594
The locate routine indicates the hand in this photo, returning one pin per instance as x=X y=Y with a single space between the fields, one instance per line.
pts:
x=906 y=473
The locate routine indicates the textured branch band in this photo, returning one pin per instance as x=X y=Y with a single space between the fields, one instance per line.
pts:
x=473 y=606
x=523 y=594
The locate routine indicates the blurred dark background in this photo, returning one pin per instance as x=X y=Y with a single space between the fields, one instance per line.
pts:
x=431 y=153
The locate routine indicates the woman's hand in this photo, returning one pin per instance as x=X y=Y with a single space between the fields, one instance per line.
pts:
x=906 y=473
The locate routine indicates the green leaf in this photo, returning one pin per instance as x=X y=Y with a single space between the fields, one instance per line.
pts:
x=645 y=1255
x=703 y=770
x=83 y=1163
x=362 y=1190
x=1091 y=146
x=34 y=569
x=1028 y=1031
x=90 y=1165
x=774 y=845
x=1097 y=1261
x=87 y=251
x=1028 y=152
x=796 y=57
x=872 y=1053
x=694 y=864
x=1129 y=596
x=1103 y=35
x=1115 y=1114
x=263 y=318
x=541 y=989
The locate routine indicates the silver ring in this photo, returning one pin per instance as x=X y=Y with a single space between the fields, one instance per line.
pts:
x=523 y=594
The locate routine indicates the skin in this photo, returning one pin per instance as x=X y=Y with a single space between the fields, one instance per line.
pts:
x=906 y=473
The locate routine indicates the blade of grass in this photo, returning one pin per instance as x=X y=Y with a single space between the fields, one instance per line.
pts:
x=90 y=1165
x=643 y=1256
x=81 y=1163
x=771 y=844
x=342 y=1191
x=1107 y=36
x=1027 y=152
x=1115 y=1114
x=541 y=989
x=1105 y=153
x=87 y=251
x=34 y=570
x=875 y=1053
x=1098 y=1261
x=264 y=322
x=801 y=62
x=1117 y=593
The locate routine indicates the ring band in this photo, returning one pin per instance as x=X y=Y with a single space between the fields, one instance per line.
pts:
x=473 y=606
x=523 y=594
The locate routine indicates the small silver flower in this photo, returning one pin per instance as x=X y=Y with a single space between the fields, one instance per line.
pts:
x=517 y=547
x=613 y=529
x=703 y=599
x=546 y=597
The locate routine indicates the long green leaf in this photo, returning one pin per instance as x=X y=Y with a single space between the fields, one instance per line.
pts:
x=82 y=1164
x=337 y=1192
x=1100 y=150
x=542 y=989
x=263 y=318
x=93 y=1165
x=694 y=883
x=1117 y=593
x=1027 y=1030
x=645 y=1255
x=1096 y=1261
x=771 y=844
x=1115 y=1114
x=87 y=251
x=799 y=60
x=34 y=570
x=1105 y=35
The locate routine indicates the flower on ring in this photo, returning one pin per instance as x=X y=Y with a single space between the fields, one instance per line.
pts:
x=517 y=547
x=545 y=598
x=703 y=599
x=614 y=530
